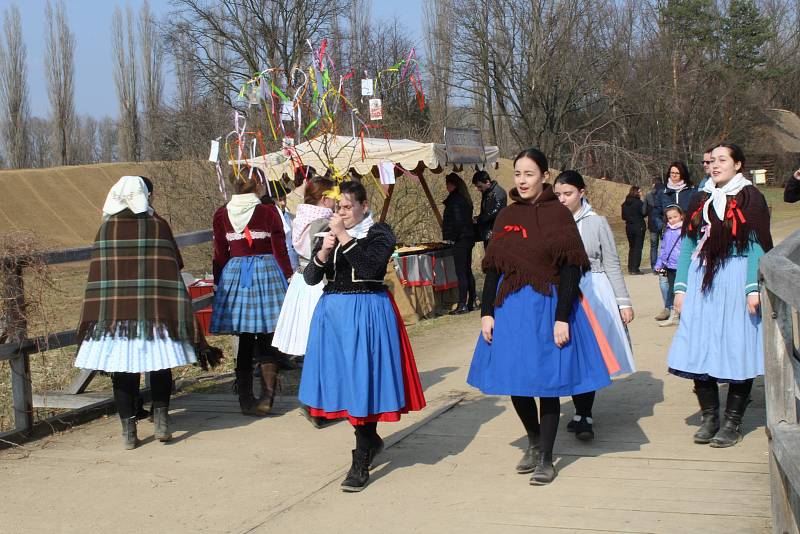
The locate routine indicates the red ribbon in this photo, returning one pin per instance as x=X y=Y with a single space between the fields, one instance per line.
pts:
x=248 y=236
x=698 y=210
x=734 y=212
x=514 y=228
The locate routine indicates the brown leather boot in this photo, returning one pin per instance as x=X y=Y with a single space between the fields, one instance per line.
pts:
x=269 y=384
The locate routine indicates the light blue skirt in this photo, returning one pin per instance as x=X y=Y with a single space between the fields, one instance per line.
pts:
x=523 y=359
x=717 y=336
x=596 y=287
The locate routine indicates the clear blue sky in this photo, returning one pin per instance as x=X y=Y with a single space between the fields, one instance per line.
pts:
x=90 y=21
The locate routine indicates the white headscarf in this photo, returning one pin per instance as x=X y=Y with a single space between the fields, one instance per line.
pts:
x=128 y=193
x=718 y=195
x=240 y=210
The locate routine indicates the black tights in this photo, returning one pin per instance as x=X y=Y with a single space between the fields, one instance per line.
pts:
x=366 y=435
x=248 y=344
x=126 y=391
x=544 y=424
x=583 y=403
x=740 y=388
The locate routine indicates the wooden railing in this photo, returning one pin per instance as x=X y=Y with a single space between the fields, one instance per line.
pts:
x=780 y=296
x=18 y=347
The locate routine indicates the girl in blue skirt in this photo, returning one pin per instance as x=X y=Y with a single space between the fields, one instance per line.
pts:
x=251 y=267
x=719 y=338
x=536 y=339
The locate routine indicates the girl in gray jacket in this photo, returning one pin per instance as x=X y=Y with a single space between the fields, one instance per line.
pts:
x=603 y=288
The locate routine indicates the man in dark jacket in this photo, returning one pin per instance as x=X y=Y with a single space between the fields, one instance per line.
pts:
x=493 y=199
x=792 y=192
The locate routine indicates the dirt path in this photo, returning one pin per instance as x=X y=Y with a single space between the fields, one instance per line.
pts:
x=449 y=468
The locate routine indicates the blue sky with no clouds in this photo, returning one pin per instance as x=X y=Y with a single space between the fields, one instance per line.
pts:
x=90 y=21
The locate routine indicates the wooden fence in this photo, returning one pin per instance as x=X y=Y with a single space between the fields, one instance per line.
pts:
x=18 y=347
x=780 y=296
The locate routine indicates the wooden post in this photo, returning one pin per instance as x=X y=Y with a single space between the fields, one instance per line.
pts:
x=16 y=330
x=386 y=202
x=778 y=353
x=434 y=206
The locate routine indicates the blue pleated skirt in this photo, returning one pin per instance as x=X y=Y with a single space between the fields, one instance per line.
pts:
x=717 y=337
x=353 y=360
x=249 y=296
x=523 y=359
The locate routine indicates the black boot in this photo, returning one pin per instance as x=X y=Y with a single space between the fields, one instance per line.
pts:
x=129 y=438
x=708 y=397
x=545 y=471
x=161 y=422
x=531 y=456
x=358 y=476
x=731 y=431
x=244 y=388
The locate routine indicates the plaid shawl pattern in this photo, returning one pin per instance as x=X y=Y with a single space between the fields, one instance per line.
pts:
x=134 y=288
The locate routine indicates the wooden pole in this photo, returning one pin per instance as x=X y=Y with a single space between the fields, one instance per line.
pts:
x=386 y=202
x=434 y=206
x=16 y=330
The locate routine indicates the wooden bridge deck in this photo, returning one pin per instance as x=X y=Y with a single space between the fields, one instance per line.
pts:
x=449 y=468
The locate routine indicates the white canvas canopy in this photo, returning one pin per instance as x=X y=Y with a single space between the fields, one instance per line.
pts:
x=346 y=153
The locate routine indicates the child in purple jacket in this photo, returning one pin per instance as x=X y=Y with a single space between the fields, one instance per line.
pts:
x=667 y=263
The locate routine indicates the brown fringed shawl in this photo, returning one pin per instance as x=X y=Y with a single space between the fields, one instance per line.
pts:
x=746 y=217
x=134 y=288
x=531 y=242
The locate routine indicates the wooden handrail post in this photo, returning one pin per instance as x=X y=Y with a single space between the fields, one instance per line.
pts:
x=16 y=330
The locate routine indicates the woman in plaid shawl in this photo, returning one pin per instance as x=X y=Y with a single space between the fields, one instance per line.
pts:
x=137 y=315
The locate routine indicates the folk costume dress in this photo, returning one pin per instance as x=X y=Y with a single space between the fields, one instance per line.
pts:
x=533 y=267
x=718 y=267
x=603 y=287
x=359 y=363
x=291 y=332
x=251 y=267
x=137 y=314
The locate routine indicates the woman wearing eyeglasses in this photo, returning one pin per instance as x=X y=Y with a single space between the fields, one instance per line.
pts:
x=678 y=191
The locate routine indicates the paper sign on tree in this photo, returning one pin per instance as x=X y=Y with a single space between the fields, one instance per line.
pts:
x=375 y=109
x=367 y=88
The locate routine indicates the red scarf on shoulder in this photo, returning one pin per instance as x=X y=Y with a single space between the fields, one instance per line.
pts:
x=531 y=241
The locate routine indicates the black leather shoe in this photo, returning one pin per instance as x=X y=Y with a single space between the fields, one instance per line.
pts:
x=162 y=432
x=545 y=471
x=583 y=429
x=731 y=431
x=528 y=462
x=358 y=476
x=709 y=426
x=462 y=309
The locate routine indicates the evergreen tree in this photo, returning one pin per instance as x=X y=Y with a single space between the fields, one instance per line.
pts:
x=744 y=32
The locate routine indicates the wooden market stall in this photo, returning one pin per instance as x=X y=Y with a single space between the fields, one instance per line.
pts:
x=419 y=277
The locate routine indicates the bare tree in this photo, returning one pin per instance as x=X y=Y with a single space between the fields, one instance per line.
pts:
x=107 y=140
x=86 y=146
x=124 y=53
x=41 y=151
x=152 y=82
x=14 y=91
x=254 y=35
x=439 y=55
x=60 y=68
